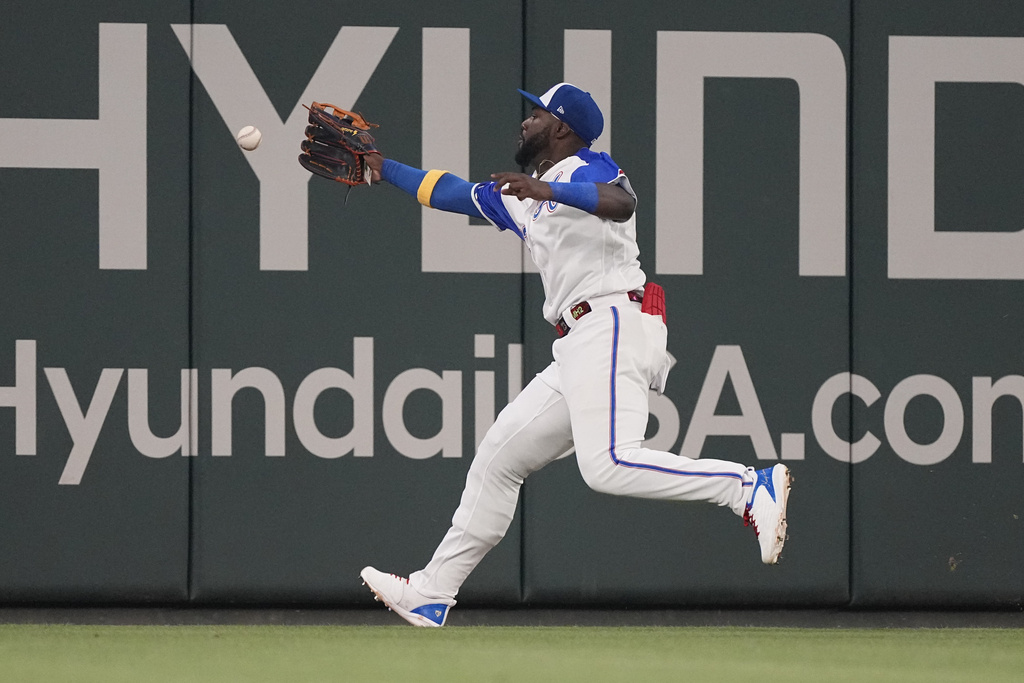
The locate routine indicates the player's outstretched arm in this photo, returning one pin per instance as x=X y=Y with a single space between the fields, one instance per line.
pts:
x=435 y=189
x=604 y=200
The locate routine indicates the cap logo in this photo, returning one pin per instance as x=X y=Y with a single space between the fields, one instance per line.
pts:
x=561 y=111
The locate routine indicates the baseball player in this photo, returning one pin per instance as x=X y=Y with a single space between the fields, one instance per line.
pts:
x=576 y=215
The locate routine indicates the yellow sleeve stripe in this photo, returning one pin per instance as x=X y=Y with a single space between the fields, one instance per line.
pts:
x=427 y=186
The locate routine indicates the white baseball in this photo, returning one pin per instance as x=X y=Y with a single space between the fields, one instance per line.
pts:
x=249 y=138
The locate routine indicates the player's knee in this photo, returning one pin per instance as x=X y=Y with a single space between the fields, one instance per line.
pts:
x=598 y=472
x=492 y=443
x=492 y=461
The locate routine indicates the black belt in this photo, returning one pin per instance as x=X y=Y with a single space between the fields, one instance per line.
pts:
x=582 y=308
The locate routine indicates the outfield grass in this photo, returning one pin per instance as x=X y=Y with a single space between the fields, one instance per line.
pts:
x=253 y=654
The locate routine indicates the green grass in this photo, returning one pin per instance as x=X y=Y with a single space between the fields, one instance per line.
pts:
x=252 y=654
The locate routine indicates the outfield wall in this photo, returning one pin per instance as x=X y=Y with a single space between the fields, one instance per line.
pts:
x=222 y=381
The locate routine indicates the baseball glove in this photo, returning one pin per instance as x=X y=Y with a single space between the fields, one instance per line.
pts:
x=336 y=144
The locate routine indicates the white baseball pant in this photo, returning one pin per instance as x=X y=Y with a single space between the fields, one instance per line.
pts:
x=594 y=395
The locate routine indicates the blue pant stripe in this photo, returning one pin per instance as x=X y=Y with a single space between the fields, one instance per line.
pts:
x=611 y=430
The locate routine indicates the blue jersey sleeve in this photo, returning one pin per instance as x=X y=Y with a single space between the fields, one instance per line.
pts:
x=491 y=205
x=454 y=194
x=448 y=193
x=600 y=168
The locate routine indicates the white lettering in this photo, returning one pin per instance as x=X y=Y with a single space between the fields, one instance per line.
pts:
x=83 y=428
x=186 y=439
x=985 y=394
x=728 y=363
x=358 y=385
x=241 y=100
x=916 y=249
x=483 y=389
x=821 y=417
x=22 y=396
x=952 y=425
x=448 y=440
x=224 y=386
x=816 y=63
x=587 y=63
x=515 y=371
x=450 y=244
x=114 y=143
x=791 y=447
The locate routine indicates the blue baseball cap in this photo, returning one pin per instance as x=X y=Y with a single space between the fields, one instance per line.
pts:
x=574 y=107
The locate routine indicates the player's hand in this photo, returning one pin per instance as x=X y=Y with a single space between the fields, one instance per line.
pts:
x=522 y=186
x=374 y=162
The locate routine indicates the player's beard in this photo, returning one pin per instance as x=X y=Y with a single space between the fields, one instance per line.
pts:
x=530 y=148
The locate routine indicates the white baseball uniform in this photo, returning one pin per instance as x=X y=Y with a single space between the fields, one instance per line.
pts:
x=593 y=396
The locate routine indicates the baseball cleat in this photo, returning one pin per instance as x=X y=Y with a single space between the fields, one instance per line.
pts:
x=401 y=598
x=766 y=511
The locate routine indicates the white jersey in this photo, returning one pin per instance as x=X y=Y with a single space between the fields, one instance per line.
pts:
x=579 y=255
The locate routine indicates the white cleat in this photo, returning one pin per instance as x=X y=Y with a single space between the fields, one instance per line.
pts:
x=766 y=511
x=400 y=597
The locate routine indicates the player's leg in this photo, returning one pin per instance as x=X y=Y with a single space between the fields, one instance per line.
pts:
x=606 y=365
x=605 y=374
x=529 y=433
